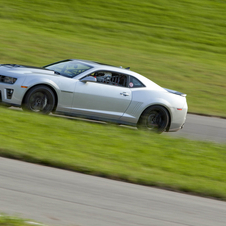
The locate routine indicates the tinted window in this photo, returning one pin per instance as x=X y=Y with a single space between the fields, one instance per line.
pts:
x=134 y=83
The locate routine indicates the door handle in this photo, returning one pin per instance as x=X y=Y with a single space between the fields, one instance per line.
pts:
x=124 y=94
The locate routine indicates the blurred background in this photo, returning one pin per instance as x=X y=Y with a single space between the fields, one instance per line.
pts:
x=178 y=44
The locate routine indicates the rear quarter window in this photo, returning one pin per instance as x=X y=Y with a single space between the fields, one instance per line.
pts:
x=135 y=83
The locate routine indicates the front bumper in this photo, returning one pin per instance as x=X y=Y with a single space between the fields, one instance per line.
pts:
x=11 y=94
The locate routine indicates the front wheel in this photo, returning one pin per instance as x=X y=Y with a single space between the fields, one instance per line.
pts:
x=154 y=118
x=39 y=99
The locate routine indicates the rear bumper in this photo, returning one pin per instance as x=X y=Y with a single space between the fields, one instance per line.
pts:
x=176 y=129
x=178 y=119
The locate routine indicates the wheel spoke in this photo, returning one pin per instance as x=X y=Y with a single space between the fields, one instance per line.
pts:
x=38 y=101
x=154 y=118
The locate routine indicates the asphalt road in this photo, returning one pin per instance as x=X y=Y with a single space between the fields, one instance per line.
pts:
x=203 y=128
x=58 y=197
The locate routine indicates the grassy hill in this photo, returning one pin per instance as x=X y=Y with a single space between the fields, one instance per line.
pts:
x=178 y=44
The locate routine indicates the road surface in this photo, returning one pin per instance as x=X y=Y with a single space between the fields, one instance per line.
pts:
x=63 y=198
x=203 y=128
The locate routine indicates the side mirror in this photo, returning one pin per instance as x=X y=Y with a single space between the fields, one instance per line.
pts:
x=89 y=79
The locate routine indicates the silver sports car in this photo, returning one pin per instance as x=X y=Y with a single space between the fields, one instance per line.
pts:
x=93 y=90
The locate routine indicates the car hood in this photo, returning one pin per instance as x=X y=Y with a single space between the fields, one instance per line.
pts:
x=25 y=70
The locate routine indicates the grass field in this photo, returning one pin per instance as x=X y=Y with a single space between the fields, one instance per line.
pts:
x=115 y=152
x=178 y=44
x=6 y=220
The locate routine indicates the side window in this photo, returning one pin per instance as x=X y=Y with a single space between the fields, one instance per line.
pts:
x=135 y=83
x=111 y=78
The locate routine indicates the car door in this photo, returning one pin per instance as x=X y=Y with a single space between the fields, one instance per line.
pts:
x=100 y=101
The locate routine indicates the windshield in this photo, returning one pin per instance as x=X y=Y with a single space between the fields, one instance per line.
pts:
x=68 y=68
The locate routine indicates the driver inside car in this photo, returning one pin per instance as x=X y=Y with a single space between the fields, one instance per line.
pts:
x=103 y=77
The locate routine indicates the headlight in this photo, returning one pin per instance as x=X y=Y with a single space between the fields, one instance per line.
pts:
x=7 y=79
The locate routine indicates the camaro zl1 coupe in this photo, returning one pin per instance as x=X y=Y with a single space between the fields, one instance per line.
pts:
x=95 y=91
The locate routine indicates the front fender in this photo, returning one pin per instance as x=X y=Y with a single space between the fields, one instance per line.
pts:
x=29 y=83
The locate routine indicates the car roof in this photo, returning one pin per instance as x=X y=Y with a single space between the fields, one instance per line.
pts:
x=98 y=64
x=101 y=66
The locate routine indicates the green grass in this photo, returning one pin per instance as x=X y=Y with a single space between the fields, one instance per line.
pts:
x=6 y=220
x=115 y=152
x=178 y=44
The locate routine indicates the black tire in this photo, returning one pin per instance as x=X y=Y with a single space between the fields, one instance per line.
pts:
x=154 y=118
x=39 y=99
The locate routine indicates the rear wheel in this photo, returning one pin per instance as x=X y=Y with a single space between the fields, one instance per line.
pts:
x=39 y=99
x=154 y=118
